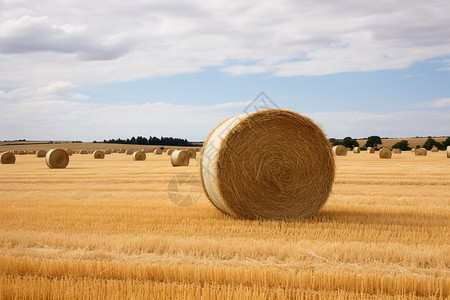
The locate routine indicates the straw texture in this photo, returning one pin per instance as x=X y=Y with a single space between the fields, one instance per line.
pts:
x=8 y=158
x=179 y=158
x=434 y=149
x=157 y=151
x=57 y=159
x=41 y=153
x=291 y=178
x=448 y=151
x=356 y=150
x=99 y=154
x=396 y=151
x=421 y=152
x=370 y=150
x=340 y=150
x=191 y=152
x=385 y=153
x=83 y=151
x=139 y=155
x=170 y=151
x=69 y=152
x=129 y=151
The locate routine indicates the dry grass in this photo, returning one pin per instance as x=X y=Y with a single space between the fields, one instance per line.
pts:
x=106 y=228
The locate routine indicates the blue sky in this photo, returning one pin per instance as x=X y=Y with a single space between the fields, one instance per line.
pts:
x=151 y=68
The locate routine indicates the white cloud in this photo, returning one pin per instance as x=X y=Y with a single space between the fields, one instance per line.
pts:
x=437 y=103
x=57 y=90
x=124 y=41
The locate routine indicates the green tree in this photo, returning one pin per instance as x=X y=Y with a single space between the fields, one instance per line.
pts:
x=446 y=143
x=432 y=142
x=348 y=142
x=373 y=141
x=402 y=145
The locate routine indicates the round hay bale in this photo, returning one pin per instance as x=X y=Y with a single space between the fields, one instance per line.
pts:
x=413 y=150
x=69 y=152
x=15 y=152
x=33 y=152
x=340 y=150
x=385 y=153
x=396 y=151
x=170 y=151
x=22 y=152
x=99 y=154
x=8 y=158
x=83 y=151
x=370 y=150
x=57 y=159
x=448 y=151
x=192 y=153
x=292 y=179
x=139 y=155
x=122 y=150
x=356 y=150
x=421 y=152
x=434 y=149
x=129 y=152
x=41 y=153
x=107 y=151
x=179 y=158
x=157 y=151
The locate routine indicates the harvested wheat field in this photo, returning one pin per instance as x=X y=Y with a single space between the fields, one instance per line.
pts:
x=118 y=228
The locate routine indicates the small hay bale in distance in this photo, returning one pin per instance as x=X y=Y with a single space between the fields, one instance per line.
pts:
x=99 y=154
x=421 y=152
x=123 y=150
x=192 y=153
x=22 y=152
x=57 y=159
x=179 y=158
x=41 y=153
x=107 y=151
x=15 y=152
x=396 y=151
x=83 y=151
x=69 y=152
x=139 y=155
x=340 y=150
x=370 y=150
x=158 y=151
x=356 y=150
x=385 y=153
x=170 y=151
x=129 y=152
x=434 y=149
x=8 y=158
x=413 y=150
x=291 y=178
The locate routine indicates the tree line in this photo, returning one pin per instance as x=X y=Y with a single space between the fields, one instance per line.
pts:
x=374 y=141
x=152 y=140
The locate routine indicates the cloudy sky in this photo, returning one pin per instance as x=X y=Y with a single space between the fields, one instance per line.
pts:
x=94 y=70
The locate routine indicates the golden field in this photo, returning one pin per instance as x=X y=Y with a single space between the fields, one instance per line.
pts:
x=111 y=228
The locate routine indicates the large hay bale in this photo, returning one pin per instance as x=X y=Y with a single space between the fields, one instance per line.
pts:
x=69 y=152
x=139 y=155
x=291 y=178
x=179 y=158
x=158 y=151
x=41 y=153
x=421 y=152
x=434 y=149
x=107 y=151
x=370 y=150
x=340 y=150
x=448 y=151
x=7 y=158
x=129 y=151
x=170 y=151
x=192 y=153
x=57 y=159
x=396 y=151
x=83 y=151
x=356 y=150
x=99 y=154
x=385 y=153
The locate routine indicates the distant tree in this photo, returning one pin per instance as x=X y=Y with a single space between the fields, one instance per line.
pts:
x=446 y=143
x=373 y=141
x=430 y=142
x=348 y=142
x=337 y=142
x=402 y=145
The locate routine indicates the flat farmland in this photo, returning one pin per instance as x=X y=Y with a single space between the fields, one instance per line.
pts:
x=119 y=228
